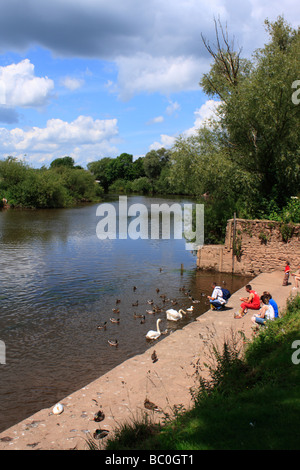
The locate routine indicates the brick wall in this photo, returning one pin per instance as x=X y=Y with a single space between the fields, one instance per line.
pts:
x=252 y=247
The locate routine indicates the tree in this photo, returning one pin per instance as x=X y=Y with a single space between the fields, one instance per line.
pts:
x=67 y=162
x=258 y=120
x=228 y=68
x=154 y=162
x=100 y=169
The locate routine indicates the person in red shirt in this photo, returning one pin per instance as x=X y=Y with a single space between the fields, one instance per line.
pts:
x=252 y=302
x=287 y=271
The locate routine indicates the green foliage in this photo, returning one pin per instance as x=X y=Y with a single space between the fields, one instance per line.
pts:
x=290 y=213
x=154 y=162
x=66 y=162
x=141 y=185
x=59 y=186
x=122 y=168
x=259 y=120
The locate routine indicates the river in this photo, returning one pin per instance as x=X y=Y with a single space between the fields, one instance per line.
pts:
x=59 y=281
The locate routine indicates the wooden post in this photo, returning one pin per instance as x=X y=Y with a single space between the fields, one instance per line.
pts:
x=181 y=269
x=233 y=241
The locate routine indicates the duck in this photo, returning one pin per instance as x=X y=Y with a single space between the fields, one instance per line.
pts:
x=100 y=433
x=116 y=310
x=150 y=302
x=113 y=343
x=150 y=312
x=154 y=334
x=102 y=327
x=157 y=309
x=137 y=315
x=149 y=405
x=190 y=309
x=135 y=304
x=99 y=416
x=118 y=301
x=174 y=315
x=115 y=320
x=195 y=301
x=154 y=357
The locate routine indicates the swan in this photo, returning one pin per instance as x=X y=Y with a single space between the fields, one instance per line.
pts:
x=174 y=315
x=154 y=334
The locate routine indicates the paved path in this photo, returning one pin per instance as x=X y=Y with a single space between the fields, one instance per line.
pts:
x=121 y=393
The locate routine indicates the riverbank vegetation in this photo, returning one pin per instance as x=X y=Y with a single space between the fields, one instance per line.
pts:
x=245 y=161
x=61 y=185
x=250 y=401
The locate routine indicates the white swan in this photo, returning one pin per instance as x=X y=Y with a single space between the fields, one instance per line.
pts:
x=154 y=334
x=174 y=315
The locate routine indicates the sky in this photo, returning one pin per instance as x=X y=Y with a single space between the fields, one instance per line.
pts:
x=91 y=79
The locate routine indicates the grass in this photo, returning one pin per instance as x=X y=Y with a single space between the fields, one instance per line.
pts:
x=251 y=402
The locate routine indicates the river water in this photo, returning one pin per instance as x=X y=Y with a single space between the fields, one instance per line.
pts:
x=59 y=281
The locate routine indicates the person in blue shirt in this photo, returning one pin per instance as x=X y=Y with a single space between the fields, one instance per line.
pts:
x=273 y=303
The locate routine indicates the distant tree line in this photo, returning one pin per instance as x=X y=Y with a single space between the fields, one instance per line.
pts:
x=61 y=185
x=149 y=174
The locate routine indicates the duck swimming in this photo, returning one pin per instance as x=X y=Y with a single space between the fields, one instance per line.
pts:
x=102 y=327
x=137 y=315
x=113 y=342
x=115 y=320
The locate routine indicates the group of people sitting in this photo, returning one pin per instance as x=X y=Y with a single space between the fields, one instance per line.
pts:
x=268 y=309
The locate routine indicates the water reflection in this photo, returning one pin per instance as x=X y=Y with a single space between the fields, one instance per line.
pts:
x=59 y=281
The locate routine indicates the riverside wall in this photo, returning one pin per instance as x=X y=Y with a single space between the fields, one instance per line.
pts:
x=252 y=247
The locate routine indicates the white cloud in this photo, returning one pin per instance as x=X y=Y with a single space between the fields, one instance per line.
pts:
x=20 y=87
x=166 y=141
x=72 y=83
x=157 y=48
x=202 y=115
x=206 y=112
x=144 y=73
x=84 y=139
x=156 y=120
x=172 y=108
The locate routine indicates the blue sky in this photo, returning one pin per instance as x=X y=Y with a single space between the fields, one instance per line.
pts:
x=91 y=78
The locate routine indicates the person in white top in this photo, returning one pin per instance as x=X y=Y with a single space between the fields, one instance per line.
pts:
x=216 y=298
x=266 y=312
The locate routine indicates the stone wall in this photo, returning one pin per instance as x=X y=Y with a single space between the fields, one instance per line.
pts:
x=252 y=247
